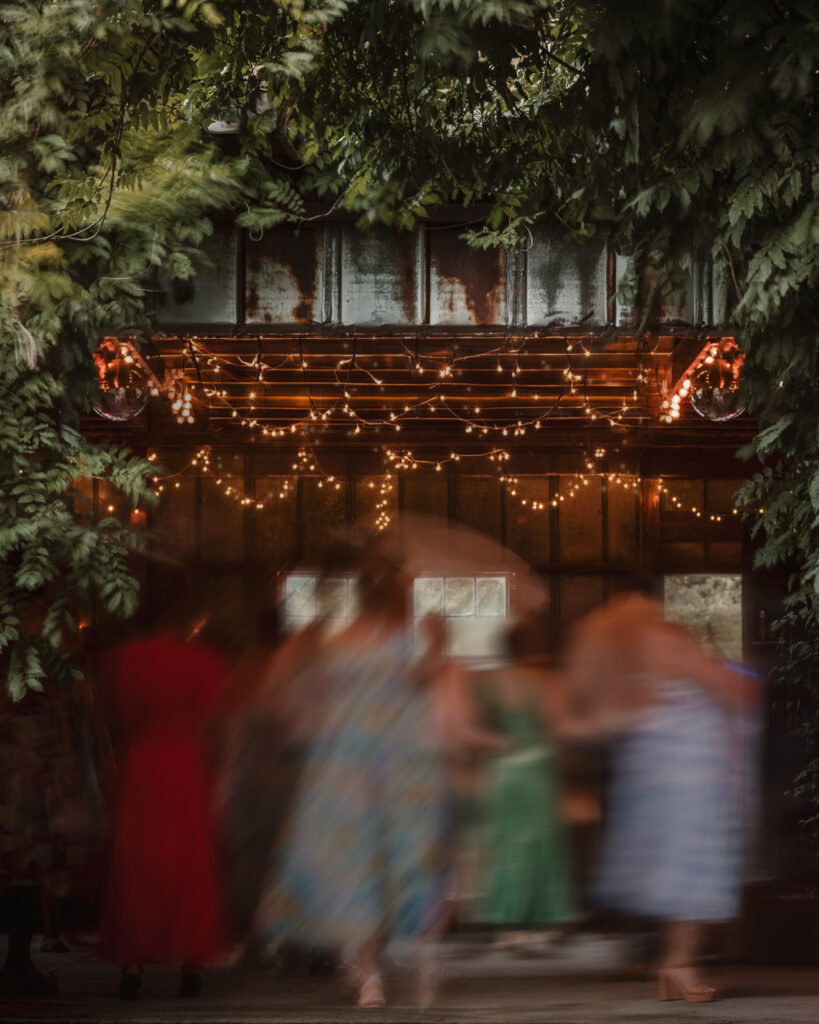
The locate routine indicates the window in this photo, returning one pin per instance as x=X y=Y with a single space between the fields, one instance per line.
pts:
x=476 y=609
x=710 y=605
x=309 y=595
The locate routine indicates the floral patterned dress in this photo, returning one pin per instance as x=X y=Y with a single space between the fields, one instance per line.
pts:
x=364 y=852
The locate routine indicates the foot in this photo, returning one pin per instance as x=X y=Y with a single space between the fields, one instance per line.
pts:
x=685 y=982
x=371 y=993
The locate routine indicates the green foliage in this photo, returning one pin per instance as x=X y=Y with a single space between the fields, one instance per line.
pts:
x=684 y=132
x=102 y=182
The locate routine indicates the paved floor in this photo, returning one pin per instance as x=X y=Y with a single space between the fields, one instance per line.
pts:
x=574 y=986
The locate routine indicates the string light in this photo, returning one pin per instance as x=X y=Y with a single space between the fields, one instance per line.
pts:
x=268 y=422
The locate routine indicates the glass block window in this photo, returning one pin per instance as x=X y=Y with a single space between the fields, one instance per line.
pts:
x=307 y=596
x=476 y=609
x=710 y=605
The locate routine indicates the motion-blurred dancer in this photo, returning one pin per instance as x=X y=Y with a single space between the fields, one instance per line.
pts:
x=527 y=852
x=363 y=860
x=673 y=842
x=164 y=897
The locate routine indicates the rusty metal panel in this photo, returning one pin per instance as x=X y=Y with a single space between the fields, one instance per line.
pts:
x=281 y=277
x=328 y=296
x=466 y=286
x=625 y=313
x=696 y=302
x=209 y=297
x=380 y=274
x=565 y=281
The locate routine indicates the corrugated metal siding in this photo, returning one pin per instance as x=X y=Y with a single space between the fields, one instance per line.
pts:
x=335 y=274
x=381 y=277
x=565 y=282
x=211 y=296
x=281 y=277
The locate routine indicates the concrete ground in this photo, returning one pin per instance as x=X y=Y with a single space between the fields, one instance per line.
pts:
x=572 y=985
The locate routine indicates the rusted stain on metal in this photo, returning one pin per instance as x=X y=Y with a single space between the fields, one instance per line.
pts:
x=474 y=273
x=378 y=276
x=281 y=277
x=209 y=297
x=566 y=282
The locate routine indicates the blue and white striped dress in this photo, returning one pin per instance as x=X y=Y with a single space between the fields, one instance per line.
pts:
x=674 y=843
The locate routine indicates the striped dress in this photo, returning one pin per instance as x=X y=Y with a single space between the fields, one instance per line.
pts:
x=673 y=846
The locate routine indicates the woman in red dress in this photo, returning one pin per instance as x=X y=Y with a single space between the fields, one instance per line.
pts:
x=164 y=897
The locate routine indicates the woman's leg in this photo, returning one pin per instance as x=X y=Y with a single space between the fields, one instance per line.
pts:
x=681 y=943
x=368 y=967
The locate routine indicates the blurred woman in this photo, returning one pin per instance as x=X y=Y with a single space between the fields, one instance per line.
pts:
x=673 y=844
x=526 y=858
x=363 y=857
x=163 y=901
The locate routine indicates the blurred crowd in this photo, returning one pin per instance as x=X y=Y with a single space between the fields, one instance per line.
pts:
x=325 y=792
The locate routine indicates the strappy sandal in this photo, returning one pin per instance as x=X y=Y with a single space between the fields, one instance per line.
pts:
x=670 y=982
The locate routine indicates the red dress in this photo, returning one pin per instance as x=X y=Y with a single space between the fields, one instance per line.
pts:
x=164 y=896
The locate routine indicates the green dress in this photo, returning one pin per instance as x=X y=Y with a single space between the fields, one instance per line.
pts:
x=526 y=855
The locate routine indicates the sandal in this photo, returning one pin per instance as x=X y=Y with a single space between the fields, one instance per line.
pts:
x=371 y=993
x=671 y=980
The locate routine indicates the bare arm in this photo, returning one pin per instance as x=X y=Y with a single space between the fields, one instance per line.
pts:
x=672 y=651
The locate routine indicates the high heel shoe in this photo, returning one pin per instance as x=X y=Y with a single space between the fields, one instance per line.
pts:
x=371 y=993
x=670 y=981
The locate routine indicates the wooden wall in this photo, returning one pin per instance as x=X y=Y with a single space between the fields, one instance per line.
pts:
x=579 y=545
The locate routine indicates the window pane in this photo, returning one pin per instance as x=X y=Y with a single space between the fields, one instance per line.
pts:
x=428 y=596
x=300 y=596
x=460 y=596
x=490 y=596
x=475 y=638
x=332 y=598
x=711 y=607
